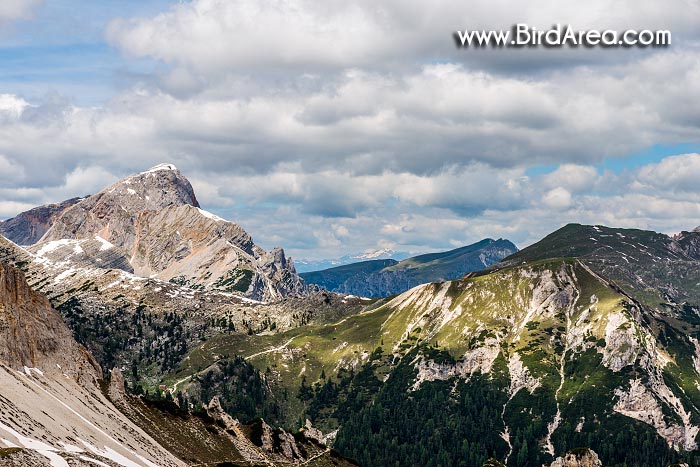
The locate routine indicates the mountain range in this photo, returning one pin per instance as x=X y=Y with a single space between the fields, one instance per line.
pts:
x=139 y=329
x=384 y=277
x=307 y=265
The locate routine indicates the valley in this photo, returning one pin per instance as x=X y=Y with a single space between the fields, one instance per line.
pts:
x=194 y=346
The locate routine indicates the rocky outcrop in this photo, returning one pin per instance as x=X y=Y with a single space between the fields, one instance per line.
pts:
x=477 y=360
x=192 y=247
x=640 y=403
x=258 y=442
x=33 y=337
x=689 y=243
x=312 y=433
x=151 y=224
x=578 y=458
x=28 y=227
x=274 y=441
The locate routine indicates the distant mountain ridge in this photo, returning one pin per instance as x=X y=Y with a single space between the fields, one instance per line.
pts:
x=305 y=265
x=28 y=227
x=384 y=277
x=662 y=270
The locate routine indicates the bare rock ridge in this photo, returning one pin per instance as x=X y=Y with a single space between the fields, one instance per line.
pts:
x=28 y=227
x=151 y=224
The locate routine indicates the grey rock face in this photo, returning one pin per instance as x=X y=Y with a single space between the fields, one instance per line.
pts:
x=33 y=335
x=28 y=227
x=114 y=212
x=689 y=243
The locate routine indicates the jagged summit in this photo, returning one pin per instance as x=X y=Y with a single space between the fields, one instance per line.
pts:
x=151 y=222
x=156 y=168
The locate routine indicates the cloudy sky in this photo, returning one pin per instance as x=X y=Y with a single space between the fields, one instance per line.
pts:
x=332 y=127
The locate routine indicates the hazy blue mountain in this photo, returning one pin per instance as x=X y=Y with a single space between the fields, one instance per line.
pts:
x=381 y=278
x=308 y=265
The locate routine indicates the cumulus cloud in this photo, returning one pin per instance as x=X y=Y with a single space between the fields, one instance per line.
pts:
x=216 y=36
x=327 y=126
x=11 y=10
x=366 y=123
x=676 y=173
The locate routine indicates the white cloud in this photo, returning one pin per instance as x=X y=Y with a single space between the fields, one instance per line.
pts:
x=575 y=178
x=557 y=199
x=11 y=10
x=11 y=107
x=11 y=208
x=352 y=125
x=678 y=173
x=217 y=37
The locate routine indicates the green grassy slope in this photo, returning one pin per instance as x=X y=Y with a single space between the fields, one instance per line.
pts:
x=552 y=316
x=660 y=271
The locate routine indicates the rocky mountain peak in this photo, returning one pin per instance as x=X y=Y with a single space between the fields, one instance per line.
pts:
x=113 y=212
x=151 y=224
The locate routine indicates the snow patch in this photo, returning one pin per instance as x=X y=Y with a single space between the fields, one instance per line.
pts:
x=105 y=245
x=111 y=454
x=42 y=448
x=28 y=371
x=64 y=275
x=96 y=462
x=211 y=216
x=54 y=245
x=158 y=168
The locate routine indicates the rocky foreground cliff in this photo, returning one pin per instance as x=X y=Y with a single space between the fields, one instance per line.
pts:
x=52 y=411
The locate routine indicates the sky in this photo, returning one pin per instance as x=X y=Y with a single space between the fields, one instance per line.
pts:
x=335 y=127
